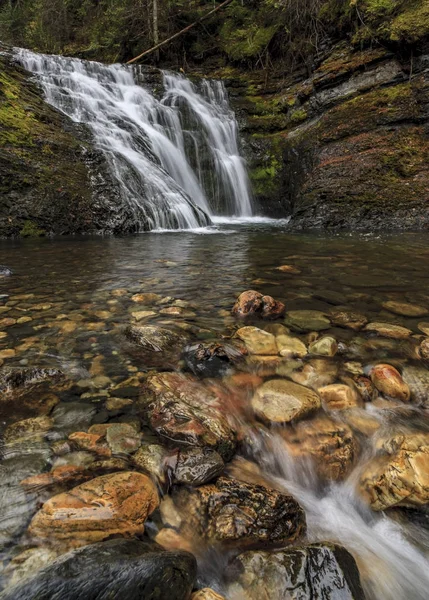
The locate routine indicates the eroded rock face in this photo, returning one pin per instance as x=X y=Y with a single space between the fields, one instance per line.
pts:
x=251 y=303
x=282 y=401
x=317 y=571
x=183 y=411
x=115 y=569
x=400 y=475
x=116 y=504
x=235 y=513
x=329 y=445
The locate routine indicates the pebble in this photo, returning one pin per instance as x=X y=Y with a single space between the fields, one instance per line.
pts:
x=388 y=330
x=389 y=382
x=405 y=309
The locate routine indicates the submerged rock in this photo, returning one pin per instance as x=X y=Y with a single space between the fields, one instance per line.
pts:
x=253 y=303
x=405 y=309
x=348 y=319
x=325 y=346
x=210 y=359
x=207 y=594
x=281 y=401
x=319 y=571
x=114 y=569
x=156 y=346
x=116 y=504
x=388 y=330
x=183 y=411
x=29 y=390
x=5 y=271
x=290 y=346
x=339 y=396
x=400 y=476
x=237 y=514
x=389 y=382
x=307 y=320
x=258 y=341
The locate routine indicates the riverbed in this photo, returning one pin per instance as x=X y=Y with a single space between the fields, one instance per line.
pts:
x=68 y=302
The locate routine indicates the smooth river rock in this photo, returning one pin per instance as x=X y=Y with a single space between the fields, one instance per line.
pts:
x=307 y=320
x=318 y=571
x=389 y=382
x=156 y=346
x=113 y=569
x=339 y=396
x=388 y=330
x=115 y=504
x=290 y=346
x=238 y=514
x=324 y=346
x=405 y=309
x=258 y=341
x=281 y=401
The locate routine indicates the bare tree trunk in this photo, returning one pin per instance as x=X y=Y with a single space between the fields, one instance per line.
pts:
x=155 y=26
x=179 y=33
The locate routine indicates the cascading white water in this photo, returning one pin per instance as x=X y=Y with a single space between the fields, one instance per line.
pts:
x=176 y=159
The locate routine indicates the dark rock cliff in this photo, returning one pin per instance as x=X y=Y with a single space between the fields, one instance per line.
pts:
x=346 y=147
x=52 y=181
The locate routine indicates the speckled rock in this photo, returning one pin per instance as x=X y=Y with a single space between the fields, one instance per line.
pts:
x=348 y=319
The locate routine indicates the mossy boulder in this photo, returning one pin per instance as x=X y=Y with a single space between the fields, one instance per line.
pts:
x=52 y=181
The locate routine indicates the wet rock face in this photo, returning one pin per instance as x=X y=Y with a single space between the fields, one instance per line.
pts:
x=116 y=568
x=116 y=504
x=78 y=196
x=197 y=466
x=317 y=571
x=182 y=411
x=237 y=514
x=253 y=303
x=400 y=475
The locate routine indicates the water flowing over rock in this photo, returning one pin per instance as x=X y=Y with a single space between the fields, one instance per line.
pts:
x=237 y=513
x=116 y=568
x=116 y=504
x=175 y=159
x=317 y=571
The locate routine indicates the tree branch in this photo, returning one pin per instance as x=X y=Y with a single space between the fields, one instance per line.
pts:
x=179 y=33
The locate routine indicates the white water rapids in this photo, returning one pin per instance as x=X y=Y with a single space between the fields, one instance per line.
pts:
x=175 y=157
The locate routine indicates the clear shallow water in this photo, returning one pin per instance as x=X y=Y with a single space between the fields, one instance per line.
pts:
x=61 y=282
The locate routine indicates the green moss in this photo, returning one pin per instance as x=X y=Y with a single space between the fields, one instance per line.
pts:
x=412 y=25
x=16 y=123
x=298 y=116
x=30 y=229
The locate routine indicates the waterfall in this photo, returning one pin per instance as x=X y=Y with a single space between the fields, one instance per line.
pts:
x=175 y=155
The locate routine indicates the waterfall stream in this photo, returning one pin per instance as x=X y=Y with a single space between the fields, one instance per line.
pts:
x=175 y=156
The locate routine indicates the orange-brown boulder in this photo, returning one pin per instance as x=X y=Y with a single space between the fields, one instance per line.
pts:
x=115 y=504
